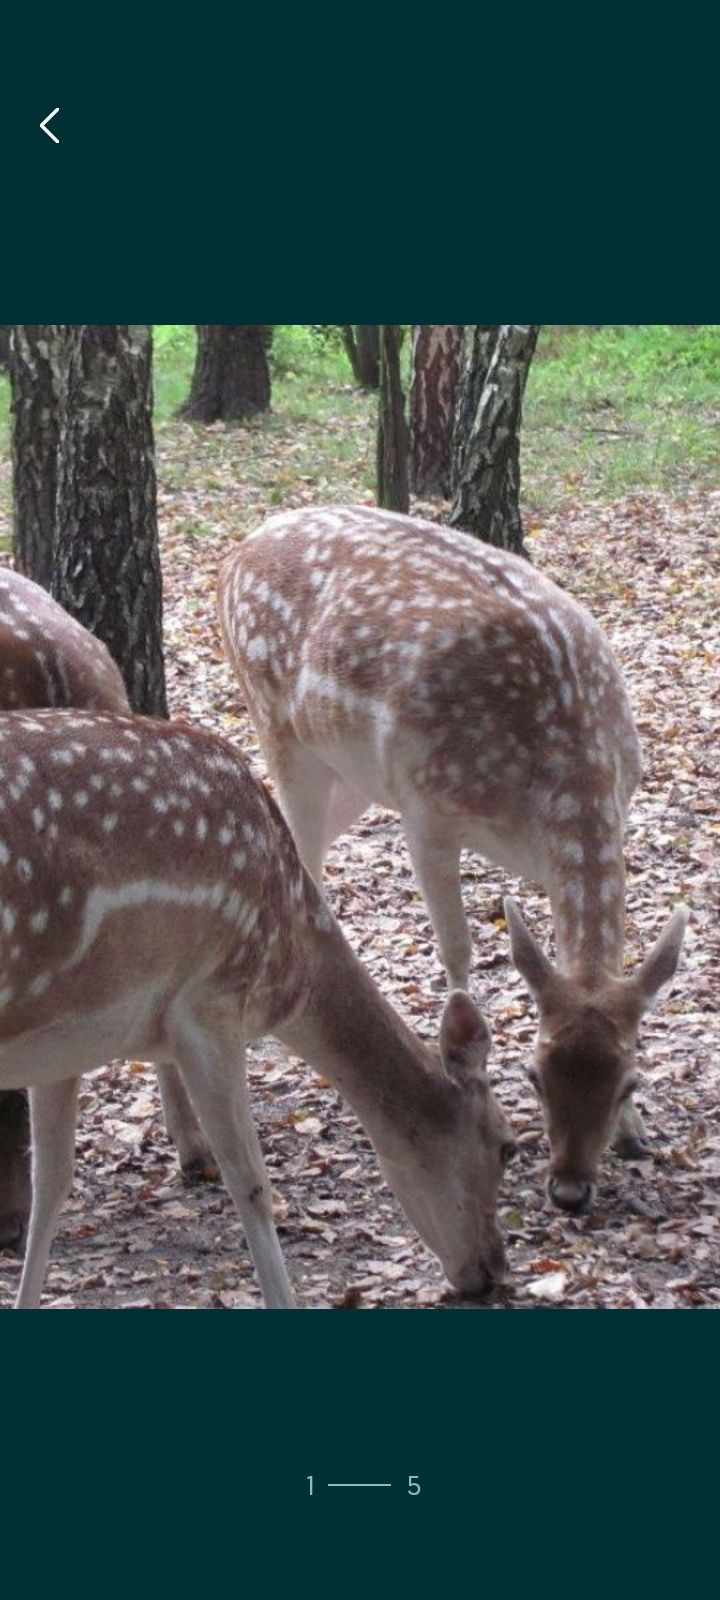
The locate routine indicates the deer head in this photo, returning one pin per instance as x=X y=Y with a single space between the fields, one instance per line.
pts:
x=584 y=1067
x=448 y=1175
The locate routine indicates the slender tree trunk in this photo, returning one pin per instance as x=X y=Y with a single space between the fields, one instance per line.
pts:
x=487 y=496
x=368 y=348
x=107 y=563
x=362 y=345
x=5 y=332
x=231 y=380
x=392 y=438
x=37 y=372
x=478 y=345
x=436 y=358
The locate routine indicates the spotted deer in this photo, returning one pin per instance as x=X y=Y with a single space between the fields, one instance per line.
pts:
x=154 y=905
x=385 y=659
x=47 y=659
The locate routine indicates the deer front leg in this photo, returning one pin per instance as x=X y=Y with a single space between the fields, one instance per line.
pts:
x=196 y=1160
x=213 y=1066
x=630 y=1141
x=436 y=863
x=53 y=1113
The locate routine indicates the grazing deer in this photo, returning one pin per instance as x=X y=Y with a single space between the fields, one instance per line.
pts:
x=48 y=659
x=387 y=659
x=152 y=904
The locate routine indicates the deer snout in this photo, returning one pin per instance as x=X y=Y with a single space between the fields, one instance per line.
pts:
x=575 y=1195
x=484 y=1274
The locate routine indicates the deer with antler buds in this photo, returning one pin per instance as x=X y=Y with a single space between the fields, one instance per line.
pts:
x=153 y=904
x=384 y=658
x=47 y=659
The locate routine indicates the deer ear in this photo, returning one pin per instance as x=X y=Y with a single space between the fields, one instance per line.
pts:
x=531 y=962
x=661 y=964
x=464 y=1038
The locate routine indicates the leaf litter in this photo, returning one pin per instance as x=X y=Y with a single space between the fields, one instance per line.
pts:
x=132 y=1235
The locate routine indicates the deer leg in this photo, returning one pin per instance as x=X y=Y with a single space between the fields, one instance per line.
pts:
x=213 y=1067
x=53 y=1113
x=304 y=786
x=196 y=1160
x=345 y=806
x=436 y=863
x=630 y=1141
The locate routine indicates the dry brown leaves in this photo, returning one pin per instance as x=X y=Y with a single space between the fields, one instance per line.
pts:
x=133 y=1236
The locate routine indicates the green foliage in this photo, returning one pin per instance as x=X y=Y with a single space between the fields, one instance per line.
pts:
x=618 y=408
x=173 y=362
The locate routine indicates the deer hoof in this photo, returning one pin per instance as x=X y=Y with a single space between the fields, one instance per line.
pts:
x=202 y=1169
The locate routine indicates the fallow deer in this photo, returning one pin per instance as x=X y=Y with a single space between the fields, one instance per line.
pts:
x=153 y=904
x=47 y=659
x=387 y=659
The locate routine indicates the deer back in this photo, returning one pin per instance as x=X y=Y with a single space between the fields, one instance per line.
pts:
x=49 y=659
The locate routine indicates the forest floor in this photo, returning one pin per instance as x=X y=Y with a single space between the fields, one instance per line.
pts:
x=132 y=1235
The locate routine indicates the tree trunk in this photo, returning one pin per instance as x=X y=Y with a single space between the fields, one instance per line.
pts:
x=37 y=372
x=477 y=349
x=362 y=345
x=392 y=437
x=107 y=562
x=231 y=380
x=5 y=331
x=487 y=497
x=436 y=354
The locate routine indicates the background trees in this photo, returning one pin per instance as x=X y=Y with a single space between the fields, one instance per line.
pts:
x=465 y=412
x=436 y=365
x=106 y=567
x=84 y=484
x=363 y=350
x=37 y=366
x=231 y=380
x=392 y=434
x=487 y=459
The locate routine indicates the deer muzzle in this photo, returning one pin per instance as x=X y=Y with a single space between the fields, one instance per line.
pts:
x=575 y=1195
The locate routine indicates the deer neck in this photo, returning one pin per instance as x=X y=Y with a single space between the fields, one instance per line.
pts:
x=352 y=1036
x=586 y=885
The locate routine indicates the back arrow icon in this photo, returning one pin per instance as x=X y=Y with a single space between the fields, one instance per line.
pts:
x=45 y=128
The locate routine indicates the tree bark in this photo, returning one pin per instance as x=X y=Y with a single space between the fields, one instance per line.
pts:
x=362 y=344
x=107 y=563
x=436 y=359
x=5 y=331
x=478 y=344
x=487 y=496
x=37 y=372
x=392 y=437
x=231 y=380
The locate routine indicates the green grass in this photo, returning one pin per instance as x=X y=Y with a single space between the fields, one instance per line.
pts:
x=612 y=409
x=309 y=371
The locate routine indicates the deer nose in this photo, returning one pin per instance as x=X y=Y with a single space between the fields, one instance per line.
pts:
x=479 y=1277
x=571 y=1194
